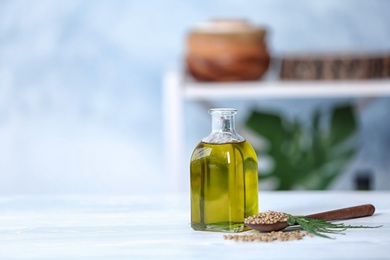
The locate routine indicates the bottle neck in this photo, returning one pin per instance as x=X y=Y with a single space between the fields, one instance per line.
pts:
x=223 y=127
x=223 y=123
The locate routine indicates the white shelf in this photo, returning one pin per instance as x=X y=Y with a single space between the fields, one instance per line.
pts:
x=285 y=89
x=178 y=88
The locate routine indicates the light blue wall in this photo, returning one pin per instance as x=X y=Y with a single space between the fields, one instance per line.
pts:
x=80 y=83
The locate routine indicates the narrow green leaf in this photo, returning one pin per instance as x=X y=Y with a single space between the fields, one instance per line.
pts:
x=321 y=227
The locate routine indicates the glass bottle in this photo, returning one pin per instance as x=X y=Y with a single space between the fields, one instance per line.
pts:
x=224 y=177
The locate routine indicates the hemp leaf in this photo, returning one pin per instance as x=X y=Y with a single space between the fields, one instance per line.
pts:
x=321 y=227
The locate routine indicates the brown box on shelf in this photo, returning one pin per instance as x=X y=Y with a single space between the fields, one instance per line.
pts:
x=335 y=67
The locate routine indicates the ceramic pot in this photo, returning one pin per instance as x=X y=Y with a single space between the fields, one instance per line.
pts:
x=227 y=50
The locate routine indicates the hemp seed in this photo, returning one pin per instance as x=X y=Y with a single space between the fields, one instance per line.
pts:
x=269 y=217
x=267 y=237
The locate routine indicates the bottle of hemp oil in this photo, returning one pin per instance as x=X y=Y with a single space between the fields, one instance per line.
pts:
x=224 y=177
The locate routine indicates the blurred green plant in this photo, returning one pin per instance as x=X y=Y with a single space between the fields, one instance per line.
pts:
x=306 y=156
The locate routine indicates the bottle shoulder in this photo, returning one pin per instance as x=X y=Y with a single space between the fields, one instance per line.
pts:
x=243 y=148
x=223 y=138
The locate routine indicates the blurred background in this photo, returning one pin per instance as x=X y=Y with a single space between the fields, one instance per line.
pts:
x=81 y=87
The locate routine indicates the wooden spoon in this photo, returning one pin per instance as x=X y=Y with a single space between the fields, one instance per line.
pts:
x=338 y=214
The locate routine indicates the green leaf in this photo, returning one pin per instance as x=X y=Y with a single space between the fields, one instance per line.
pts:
x=320 y=227
x=342 y=125
x=270 y=126
x=312 y=155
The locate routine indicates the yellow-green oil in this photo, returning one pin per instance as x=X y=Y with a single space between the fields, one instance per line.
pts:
x=224 y=186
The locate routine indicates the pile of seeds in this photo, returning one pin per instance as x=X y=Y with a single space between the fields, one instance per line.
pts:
x=268 y=237
x=269 y=217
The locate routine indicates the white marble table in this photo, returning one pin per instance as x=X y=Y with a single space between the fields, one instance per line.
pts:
x=157 y=227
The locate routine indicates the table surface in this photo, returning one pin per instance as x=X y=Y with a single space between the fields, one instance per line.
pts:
x=158 y=227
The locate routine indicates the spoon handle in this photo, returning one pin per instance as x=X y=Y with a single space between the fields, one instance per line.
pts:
x=345 y=213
